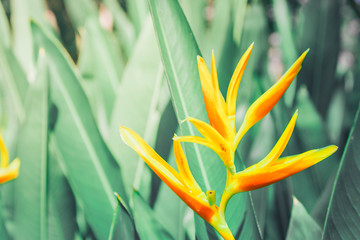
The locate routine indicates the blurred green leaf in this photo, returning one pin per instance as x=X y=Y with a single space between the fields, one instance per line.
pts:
x=343 y=213
x=322 y=19
x=4 y=28
x=123 y=28
x=3 y=231
x=101 y=68
x=336 y=115
x=239 y=20
x=302 y=225
x=14 y=81
x=31 y=185
x=79 y=141
x=135 y=104
x=147 y=225
x=138 y=11
x=61 y=201
x=81 y=10
x=21 y=13
x=283 y=22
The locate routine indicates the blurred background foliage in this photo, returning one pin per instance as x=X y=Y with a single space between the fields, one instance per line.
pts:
x=72 y=71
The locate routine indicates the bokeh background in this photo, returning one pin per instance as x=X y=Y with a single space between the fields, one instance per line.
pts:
x=72 y=72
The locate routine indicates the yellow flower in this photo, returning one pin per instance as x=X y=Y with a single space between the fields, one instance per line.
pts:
x=7 y=172
x=220 y=135
x=182 y=182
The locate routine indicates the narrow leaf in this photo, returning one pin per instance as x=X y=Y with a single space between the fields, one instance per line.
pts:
x=343 y=213
x=302 y=225
x=31 y=186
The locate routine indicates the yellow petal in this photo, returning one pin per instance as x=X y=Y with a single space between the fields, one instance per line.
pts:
x=196 y=139
x=282 y=168
x=167 y=174
x=155 y=162
x=184 y=169
x=281 y=144
x=235 y=82
x=4 y=154
x=268 y=100
x=218 y=143
x=214 y=102
x=10 y=172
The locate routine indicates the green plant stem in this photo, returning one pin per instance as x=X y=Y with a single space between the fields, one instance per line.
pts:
x=227 y=194
x=112 y=228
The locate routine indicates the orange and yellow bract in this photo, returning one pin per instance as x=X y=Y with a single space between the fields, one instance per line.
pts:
x=223 y=138
x=7 y=172
x=182 y=182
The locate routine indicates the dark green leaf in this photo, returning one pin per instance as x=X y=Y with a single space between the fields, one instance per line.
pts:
x=147 y=225
x=343 y=213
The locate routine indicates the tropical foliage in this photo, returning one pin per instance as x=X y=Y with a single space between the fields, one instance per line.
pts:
x=73 y=72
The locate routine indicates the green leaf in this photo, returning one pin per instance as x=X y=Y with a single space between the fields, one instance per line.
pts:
x=179 y=50
x=124 y=30
x=239 y=20
x=4 y=28
x=302 y=225
x=336 y=116
x=136 y=101
x=147 y=225
x=283 y=22
x=138 y=11
x=101 y=68
x=61 y=200
x=14 y=81
x=322 y=19
x=21 y=13
x=79 y=11
x=343 y=212
x=31 y=185
x=92 y=172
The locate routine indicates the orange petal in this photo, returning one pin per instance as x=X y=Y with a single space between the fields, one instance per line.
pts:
x=166 y=173
x=10 y=172
x=282 y=168
x=281 y=143
x=184 y=169
x=235 y=82
x=214 y=102
x=269 y=99
x=4 y=154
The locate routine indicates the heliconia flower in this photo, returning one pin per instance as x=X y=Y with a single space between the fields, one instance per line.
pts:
x=7 y=172
x=221 y=135
x=182 y=182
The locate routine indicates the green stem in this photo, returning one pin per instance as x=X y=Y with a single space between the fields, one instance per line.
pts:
x=112 y=228
x=227 y=194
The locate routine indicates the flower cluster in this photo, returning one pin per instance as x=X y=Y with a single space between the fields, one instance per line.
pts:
x=223 y=138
